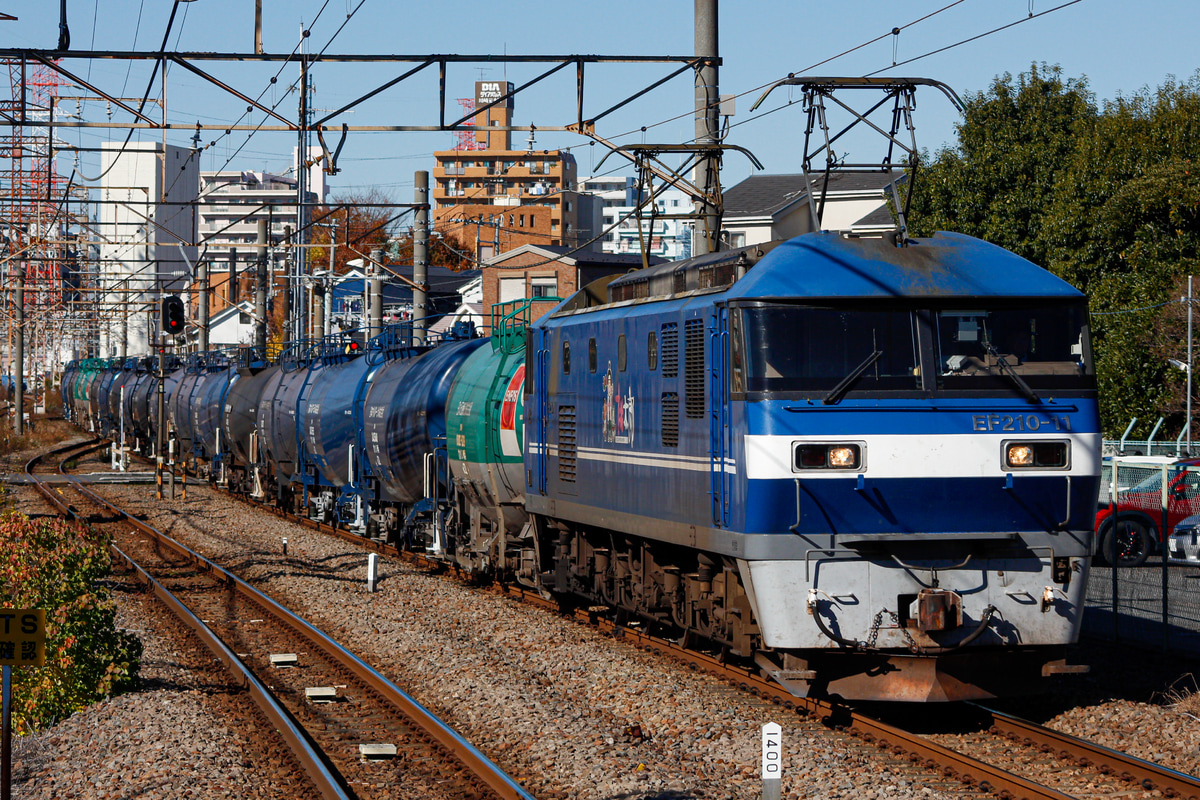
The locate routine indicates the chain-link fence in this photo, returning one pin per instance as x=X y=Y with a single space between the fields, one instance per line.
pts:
x=1150 y=533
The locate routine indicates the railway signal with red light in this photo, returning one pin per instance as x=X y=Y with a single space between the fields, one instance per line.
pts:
x=173 y=318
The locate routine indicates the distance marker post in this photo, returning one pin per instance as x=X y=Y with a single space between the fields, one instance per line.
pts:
x=772 y=760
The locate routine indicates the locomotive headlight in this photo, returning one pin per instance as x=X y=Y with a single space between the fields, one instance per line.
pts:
x=844 y=457
x=1020 y=455
x=1036 y=455
x=828 y=456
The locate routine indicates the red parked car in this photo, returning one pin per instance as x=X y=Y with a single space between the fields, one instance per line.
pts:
x=1139 y=528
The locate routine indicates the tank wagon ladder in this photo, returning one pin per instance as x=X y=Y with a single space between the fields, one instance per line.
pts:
x=509 y=326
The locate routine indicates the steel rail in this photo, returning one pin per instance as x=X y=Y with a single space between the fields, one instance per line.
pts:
x=311 y=759
x=478 y=764
x=307 y=753
x=918 y=749
x=1147 y=774
x=899 y=742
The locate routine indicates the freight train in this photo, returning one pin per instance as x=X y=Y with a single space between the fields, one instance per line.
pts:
x=867 y=466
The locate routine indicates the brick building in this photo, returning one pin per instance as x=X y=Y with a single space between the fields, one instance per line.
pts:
x=534 y=271
x=495 y=198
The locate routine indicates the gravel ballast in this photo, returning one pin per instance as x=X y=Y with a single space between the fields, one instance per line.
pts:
x=569 y=712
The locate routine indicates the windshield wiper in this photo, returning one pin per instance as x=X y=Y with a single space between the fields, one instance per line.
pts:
x=1017 y=380
x=839 y=391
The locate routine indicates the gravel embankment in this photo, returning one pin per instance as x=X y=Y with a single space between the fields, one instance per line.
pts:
x=570 y=712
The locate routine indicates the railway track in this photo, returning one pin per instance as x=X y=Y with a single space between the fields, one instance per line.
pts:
x=1038 y=762
x=1035 y=762
x=355 y=734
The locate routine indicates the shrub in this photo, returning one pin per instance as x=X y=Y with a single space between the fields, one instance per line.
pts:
x=57 y=566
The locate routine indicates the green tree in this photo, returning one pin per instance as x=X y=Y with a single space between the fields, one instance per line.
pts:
x=1105 y=198
x=58 y=566
x=1013 y=142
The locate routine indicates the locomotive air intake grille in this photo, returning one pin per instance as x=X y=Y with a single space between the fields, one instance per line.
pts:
x=694 y=367
x=566 y=443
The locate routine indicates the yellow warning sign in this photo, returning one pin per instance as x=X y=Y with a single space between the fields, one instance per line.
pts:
x=22 y=637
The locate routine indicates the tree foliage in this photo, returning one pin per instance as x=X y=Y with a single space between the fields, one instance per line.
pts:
x=1107 y=197
x=57 y=566
x=356 y=224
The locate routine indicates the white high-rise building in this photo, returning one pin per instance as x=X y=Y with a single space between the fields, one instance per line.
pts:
x=233 y=202
x=148 y=230
x=662 y=235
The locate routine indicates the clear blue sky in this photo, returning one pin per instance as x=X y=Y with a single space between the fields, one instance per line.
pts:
x=1120 y=47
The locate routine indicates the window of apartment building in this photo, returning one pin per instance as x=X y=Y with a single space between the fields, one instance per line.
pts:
x=521 y=220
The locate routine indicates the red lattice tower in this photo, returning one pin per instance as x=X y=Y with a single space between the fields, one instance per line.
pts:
x=466 y=140
x=32 y=211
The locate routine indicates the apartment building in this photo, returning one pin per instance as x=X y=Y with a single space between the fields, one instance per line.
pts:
x=622 y=228
x=146 y=226
x=496 y=198
x=232 y=202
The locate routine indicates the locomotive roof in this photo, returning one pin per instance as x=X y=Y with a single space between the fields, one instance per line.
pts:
x=945 y=265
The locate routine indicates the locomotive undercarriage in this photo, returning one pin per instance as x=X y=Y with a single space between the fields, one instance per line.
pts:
x=679 y=590
x=682 y=591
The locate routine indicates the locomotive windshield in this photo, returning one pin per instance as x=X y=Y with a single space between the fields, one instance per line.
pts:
x=1038 y=346
x=805 y=349
x=830 y=352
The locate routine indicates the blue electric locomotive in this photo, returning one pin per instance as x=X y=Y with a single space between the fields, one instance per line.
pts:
x=871 y=467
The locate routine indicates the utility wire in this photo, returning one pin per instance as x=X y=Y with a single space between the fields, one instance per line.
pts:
x=975 y=38
x=890 y=32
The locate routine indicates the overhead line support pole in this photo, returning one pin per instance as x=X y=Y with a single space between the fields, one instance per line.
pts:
x=707 y=125
x=420 y=255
